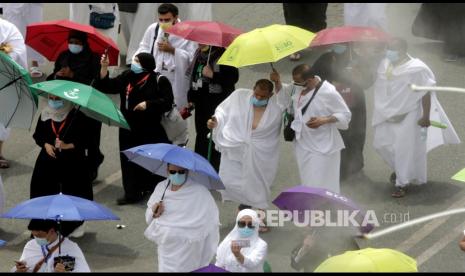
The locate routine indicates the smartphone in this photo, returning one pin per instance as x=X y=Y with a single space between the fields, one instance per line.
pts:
x=242 y=243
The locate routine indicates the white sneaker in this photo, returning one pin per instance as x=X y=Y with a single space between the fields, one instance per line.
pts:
x=78 y=232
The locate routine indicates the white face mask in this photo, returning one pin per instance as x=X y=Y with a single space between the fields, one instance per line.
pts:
x=298 y=88
x=41 y=241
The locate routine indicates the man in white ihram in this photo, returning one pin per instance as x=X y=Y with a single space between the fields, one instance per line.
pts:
x=247 y=127
x=401 y=117
x=319 y=111
x=11 y=43
x=172 y=54
x=183 y=221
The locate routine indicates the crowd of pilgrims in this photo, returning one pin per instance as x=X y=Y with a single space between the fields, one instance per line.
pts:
x=326 y=98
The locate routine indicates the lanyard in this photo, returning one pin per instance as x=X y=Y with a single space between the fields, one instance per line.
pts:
x=57 y=134
x=129 y=88
x=45 y=250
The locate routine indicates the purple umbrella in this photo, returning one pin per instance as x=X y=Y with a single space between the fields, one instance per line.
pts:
x=210 y=268
x=303 y=198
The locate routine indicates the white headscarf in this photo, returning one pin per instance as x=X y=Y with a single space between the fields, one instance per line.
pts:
x=224 y=253
x=56 y=115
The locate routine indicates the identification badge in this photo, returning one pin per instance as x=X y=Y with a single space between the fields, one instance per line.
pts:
x=242 y=243
x=199 y=83
x=194 y=85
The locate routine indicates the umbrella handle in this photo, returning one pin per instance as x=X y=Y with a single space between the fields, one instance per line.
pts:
x=210 y=146
x=272 y=67
x=209 y=52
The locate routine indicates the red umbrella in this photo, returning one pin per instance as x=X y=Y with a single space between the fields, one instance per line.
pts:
x=348 y=34
x=206 y=32
x=51 y=38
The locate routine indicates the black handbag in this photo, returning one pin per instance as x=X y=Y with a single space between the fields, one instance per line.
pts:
x=102 y=20
x=288 y=132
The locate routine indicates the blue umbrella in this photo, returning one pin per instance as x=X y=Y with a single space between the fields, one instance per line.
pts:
x=155 y=157
x=2 y=243
x=60 y=207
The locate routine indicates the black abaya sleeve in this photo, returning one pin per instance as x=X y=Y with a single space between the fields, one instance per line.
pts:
x=58 y=65
x=112 y=86
x=40 y=133
x=88 y=77
x=164 y=100
x=78 y=133
x=226 y=77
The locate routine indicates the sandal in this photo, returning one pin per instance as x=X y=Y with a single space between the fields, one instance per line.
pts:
x=400 y=192
x=295 y=56
x=35 y=72
x=4 y=163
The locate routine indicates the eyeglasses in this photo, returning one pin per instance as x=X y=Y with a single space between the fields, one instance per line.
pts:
x=242 y=224
x=179 y=172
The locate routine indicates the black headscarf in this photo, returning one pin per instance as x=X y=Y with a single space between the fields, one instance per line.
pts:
x=147 y=61
x=82 y=36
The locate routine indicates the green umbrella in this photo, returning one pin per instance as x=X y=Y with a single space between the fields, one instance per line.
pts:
x=18 y=104
x=92 y=102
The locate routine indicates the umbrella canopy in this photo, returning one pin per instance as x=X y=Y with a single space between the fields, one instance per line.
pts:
x=268 y=44
x=18 y=104
x=50 y=38
x=60 y=207
x=303 y=198
x=348 y=34
x=155 y=157
x=206 y=32
x=369 y=260
x=92 y=102
x=210 y=268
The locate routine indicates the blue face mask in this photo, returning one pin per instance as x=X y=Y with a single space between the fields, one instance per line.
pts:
x=177 y=179
x=56 y=104
x=41 y=241
x=258 y=103
x=393 y=56
x=246 y=232
x=136 y=68
x=339 y=48
x=75 y=48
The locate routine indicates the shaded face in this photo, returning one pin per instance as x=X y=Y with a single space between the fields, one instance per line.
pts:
x=53 y=97
x=173 y=169
x=75 y=41
x=167 y=18
x=395 y=46
x=261 y=94
x=298 y=80
x=245 y=221
x=41 y=234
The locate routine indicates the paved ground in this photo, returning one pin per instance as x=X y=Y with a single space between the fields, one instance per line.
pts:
x=433 y=244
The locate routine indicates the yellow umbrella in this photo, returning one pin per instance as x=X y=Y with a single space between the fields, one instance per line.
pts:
x=369 y=260
x=268 y=44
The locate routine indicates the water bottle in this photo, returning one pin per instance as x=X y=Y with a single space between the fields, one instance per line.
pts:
x=423 y=133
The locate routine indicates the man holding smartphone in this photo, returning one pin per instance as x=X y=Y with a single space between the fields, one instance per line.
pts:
x=172 y=54
x=39 y=253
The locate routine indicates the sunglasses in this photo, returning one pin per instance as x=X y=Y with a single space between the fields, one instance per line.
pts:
x=174 y=171
x=242 y=224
